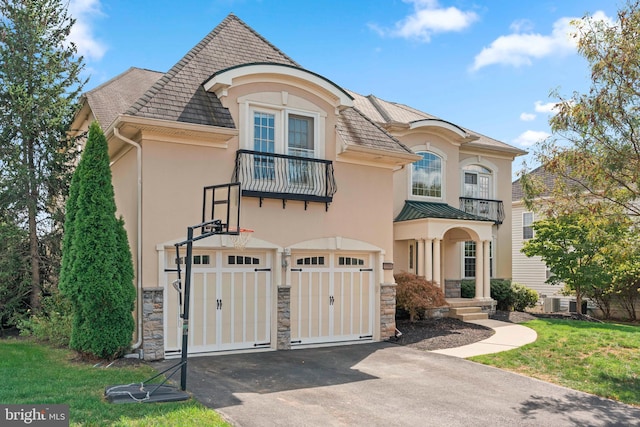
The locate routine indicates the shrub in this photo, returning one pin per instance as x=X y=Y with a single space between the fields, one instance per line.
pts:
x=467 y=288
x=415 y=293
x=52 y=324
x=503 y=294
x=523 y=297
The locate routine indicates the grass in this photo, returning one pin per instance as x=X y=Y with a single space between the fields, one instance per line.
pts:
x=597 y=358
x=38 y=374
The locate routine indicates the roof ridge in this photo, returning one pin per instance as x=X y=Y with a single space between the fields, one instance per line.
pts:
x=193 y=52
x=374 y=101
x=240 y=21
x=119 y=76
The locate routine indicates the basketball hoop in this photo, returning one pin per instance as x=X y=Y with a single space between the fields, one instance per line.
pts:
x=241 y=239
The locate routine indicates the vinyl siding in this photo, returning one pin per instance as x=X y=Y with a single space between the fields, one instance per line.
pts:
x=530 y=272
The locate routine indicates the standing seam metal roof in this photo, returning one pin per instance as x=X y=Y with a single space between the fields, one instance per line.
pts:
x=413 y=209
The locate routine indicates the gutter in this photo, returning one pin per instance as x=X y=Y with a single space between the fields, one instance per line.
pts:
x=139 y=298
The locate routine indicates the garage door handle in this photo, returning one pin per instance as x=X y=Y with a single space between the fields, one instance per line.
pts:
x=296 y=269
x=261 y=269
x=366 y=269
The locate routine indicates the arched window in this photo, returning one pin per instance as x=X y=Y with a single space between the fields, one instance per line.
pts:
x=426 y=176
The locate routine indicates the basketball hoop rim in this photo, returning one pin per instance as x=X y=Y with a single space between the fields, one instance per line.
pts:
x=236 y=230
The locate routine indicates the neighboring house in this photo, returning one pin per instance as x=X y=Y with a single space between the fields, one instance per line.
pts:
x=530 y=271
x=341 y=190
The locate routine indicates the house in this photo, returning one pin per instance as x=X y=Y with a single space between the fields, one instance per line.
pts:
x=530 y=271
x=340 y=189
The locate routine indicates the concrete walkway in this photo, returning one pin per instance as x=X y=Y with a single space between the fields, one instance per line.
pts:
x=507 y=337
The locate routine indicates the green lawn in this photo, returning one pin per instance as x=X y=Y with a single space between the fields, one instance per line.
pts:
x=597 y=358
x=37 y=374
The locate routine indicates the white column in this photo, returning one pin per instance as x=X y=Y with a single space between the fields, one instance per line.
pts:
x=436 y=261
x=479 y=270
x=487 y=269
x=420 y=266
x=428 y=260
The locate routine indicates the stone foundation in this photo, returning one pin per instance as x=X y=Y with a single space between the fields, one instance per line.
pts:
x=452 y=289
x=436 y=313
x=387 y=310
x=152 y=321
x=284 y=318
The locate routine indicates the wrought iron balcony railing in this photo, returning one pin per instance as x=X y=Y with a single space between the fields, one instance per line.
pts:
x=486 y=208
x=285 y=177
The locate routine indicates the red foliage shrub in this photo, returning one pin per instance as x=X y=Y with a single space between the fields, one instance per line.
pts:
x=415 y=293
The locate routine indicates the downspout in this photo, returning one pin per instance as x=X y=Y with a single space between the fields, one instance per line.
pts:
x=116 y=132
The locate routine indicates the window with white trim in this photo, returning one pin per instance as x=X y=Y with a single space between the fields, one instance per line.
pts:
x=527 y=225
x=426 y=176
x=477 y=182
x=469 y=259
x=284 y=131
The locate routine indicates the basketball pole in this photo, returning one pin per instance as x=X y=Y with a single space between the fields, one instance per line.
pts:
x=185 y=314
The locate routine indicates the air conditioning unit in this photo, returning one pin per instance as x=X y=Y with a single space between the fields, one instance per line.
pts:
x=551 y=305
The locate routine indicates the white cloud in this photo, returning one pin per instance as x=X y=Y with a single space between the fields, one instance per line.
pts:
x=549 y=107
x=527 y=117
x=520 y=49
x=84 y=12
x=531 y=137
x=429 y=18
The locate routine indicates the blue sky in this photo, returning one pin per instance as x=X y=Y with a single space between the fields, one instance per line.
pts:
x=487 y=65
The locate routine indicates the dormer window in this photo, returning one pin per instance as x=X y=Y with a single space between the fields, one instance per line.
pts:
x=426 y=176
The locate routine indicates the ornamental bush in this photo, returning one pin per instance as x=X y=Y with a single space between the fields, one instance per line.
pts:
x=415 y=294
x=503 y=294
x=523 y=297
x=97 y=268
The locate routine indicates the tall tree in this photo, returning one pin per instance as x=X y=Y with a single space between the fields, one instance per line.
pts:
x=595 y=147
x=97 y=274
x=39 y=85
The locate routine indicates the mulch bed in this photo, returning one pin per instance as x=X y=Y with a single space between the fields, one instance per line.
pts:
x=438 y=334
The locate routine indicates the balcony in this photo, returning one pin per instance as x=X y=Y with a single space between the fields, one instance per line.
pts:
x=284 y=177
x=485 y=208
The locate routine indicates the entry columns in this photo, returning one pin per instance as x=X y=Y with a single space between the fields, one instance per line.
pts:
x=487 y=268
x=428 y=260
x=422 y=270
x=436 y=261
x=479 y=270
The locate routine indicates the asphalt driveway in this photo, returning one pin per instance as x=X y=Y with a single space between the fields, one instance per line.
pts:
x=384 y=384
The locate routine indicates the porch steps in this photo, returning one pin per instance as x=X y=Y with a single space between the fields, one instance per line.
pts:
x=467 y=313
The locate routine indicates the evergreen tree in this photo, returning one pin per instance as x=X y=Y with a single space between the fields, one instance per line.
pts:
x=97 y=274
x=39 y=86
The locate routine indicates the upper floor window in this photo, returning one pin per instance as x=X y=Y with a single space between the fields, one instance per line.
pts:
x=284 y=132
x=477 y=182
x=426 y=176
x=527 y=225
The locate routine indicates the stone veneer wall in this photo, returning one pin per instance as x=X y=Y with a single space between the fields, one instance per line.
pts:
x=284 y=318
x=152 y=321
x=387 y=310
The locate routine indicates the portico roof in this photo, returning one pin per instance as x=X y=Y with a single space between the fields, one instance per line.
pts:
x=414 y=209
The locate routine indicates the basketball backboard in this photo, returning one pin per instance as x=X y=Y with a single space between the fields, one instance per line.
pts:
x=222 y=202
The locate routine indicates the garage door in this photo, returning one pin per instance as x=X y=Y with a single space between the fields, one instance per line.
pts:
x=230 y=306
x=332 y=297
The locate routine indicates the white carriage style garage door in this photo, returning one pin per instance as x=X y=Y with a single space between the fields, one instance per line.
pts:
x=332 y=297
x=230 y=304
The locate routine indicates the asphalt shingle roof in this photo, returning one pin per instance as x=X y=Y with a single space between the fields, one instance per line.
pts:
x=413 y=209
x=116 y=95
x=356 y=129
x=179 y=94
